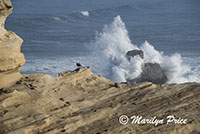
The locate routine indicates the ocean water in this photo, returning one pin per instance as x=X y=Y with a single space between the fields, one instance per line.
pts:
x=97 y=33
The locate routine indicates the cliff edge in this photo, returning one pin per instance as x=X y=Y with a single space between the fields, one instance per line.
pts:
x=11 y=59
x=80 y=102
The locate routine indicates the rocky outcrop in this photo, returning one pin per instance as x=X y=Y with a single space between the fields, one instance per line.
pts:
x=5 y=10
x=134 y=53
x=80 y=102
x=11 y=59
x=151 y=72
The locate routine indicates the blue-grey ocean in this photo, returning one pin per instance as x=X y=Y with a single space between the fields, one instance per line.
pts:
x=98 y=33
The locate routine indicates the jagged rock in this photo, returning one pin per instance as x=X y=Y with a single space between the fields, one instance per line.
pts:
x=80 y=102
x=11 y=59
x=151 y=72
x=134 y=53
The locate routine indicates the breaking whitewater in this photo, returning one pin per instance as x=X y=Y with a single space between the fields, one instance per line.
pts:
x=107 y=57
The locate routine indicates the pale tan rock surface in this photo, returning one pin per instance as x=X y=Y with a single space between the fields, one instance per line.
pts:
x=80 y=102
x=11 y=59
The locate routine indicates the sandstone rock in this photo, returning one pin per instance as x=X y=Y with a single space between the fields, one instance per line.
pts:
x=5 y=10
x=151 y=72
x=134 y=53
x=80 y=102
x=11 y=59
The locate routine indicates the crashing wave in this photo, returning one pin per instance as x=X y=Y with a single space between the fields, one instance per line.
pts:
x=111 y=46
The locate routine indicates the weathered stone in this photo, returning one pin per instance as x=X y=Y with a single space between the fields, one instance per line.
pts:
x=134 y=53
x=5 y=10
x=151 y=72
x=11 y=59
x=80 y=102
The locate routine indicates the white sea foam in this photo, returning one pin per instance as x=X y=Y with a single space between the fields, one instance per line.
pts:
x=85 y=13
x=57 y=18
x=110 y=48
x=108 y=59
x=174 y=67
x=112 y=44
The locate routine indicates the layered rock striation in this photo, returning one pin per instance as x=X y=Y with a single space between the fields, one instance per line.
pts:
x=11 y=58
x=80 y=102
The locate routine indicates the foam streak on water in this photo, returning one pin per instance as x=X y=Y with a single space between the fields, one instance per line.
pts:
x=85 y=13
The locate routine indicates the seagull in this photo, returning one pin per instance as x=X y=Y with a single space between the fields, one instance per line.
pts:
x=78 y=64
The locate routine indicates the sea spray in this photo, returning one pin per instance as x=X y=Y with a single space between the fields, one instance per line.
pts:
x=107 y=58
x=110 y=48
x=112 y=44
x=174 y=67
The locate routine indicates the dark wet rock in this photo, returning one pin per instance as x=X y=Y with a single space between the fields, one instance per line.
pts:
x=134 y=53
x=152 y=72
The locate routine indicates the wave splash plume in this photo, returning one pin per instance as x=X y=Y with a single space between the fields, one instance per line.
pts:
x=111 y=45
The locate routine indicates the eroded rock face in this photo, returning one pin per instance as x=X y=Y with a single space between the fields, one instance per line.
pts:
x=11 y=59
x=5 y=10
x=80 y=102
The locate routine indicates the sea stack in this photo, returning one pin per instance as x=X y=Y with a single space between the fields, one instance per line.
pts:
x=151 y=72
x=11 y=58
